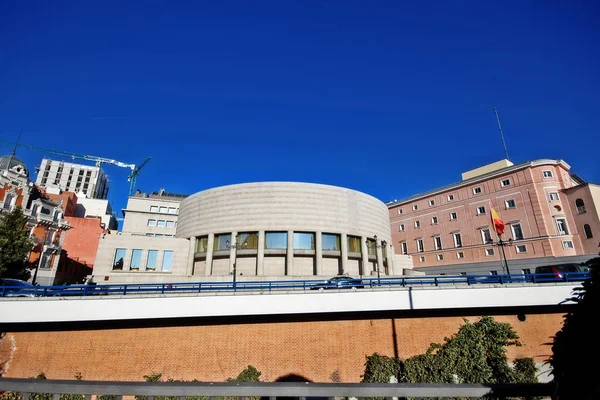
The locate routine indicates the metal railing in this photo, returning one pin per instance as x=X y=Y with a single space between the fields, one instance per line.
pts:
x=284 y=285
x=272 y=390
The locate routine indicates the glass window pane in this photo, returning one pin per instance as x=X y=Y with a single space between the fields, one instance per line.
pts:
x=304 y=241
x=172 y=210
x=119 y=259
x=221 y=241
x=248 y=240
x=136 y=259
x=202 y=244
x=371 y=247
x=163 y=209
x=167 y=260
x=276 y=240
x=354 y=245
x=331 y=242
x=160 y=224
x=170 y=224
x=152 y=257
x=153 y=208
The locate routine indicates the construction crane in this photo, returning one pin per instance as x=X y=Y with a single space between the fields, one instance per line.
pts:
x=132 y=178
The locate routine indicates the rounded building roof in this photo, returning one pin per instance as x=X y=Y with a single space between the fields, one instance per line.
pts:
x=10 y=162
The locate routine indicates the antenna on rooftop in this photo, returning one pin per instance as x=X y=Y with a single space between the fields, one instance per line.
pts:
x=501 y=134
x=14 y=152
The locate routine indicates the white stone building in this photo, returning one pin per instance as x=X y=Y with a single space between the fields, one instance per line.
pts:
x=77 y=178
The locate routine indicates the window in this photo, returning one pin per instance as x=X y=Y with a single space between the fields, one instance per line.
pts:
x=561 y=224
x=153 y=208
x=400 y=211
x=431 y=203
x=417 y=224
x=401 y=228
x=167 y=261
x=526 y=271
x=481 y=210
x=170 y=224
x=521 y=248
x=486 y=236
x=276 y=240
x=304 y=241
x=437 y=243
x=150 y=234
x=588 y=231
x=477 y=190
x=403 y=248
x=434 y=220
x=172 y=210
x=463 y=273
x=510 y=204
x=450 y=197
x=457 y=239
x=221 y=241
x=420 y=245
x=494 y=273
x=160 y=223
x=440 y=257
x=151 y=262
x=371 y=249
x=331 y=242
x=580 y=206
x=453 y=216
x=415 y=207
x=151 y=222
x=460 y=254
x=163 y=209
x=136 y=259
x=421 y=259
x=553 y=196
x=202 y=244
x=505 y=182
x=119 y=259
x=547 y=174
x=354 y=245
x=517 y=231
x=567 y=244
x=489 y=252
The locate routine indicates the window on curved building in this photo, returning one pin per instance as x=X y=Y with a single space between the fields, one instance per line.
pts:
x=588 y=231
x=221 y=241
x=371 y=247
x=331 y=242
x=202 y=244
x=248 y=240
x=304 y=241
x=354 y=245
x=276 y=240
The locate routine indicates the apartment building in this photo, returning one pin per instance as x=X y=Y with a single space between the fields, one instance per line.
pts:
x=77 y=178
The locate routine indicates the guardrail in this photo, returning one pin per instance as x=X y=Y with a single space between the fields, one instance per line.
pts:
x=186 y=390
x=283 y=285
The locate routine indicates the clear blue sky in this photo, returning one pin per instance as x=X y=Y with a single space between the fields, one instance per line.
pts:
x=388 y=98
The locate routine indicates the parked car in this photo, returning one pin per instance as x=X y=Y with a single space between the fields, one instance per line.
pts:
x=17 y=288
x=339 y=282
x=557 y=272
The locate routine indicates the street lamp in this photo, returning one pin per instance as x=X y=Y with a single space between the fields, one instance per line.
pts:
x=39 y=264
x=234 y=245
x=376 y=246
x=501 y=243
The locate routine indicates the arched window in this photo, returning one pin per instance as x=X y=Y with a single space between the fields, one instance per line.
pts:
x=588 y=231
x=580 y=206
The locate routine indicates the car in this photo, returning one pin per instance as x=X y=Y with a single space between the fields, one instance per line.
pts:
x=17 y=288
x=559 y=272
x=339 y=282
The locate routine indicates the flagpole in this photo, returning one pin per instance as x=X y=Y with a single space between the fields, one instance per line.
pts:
x=501 y=244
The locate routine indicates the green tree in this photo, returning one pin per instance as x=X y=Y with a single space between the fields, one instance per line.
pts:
x=575 y=346
x=15 y=245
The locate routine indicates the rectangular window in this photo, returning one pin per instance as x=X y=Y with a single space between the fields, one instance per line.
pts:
x=167 y=262
x=151 y=222
x=547 y=174
x=437 y=242
x=172 y=210
x=276 y=240
x=481 y=210
x=304 y=241
x=567 y=244
x=457 y=239
x=553 y=196
x=517 y=231
x=403 y=248
x=434 y=220
x=421 y=259
x=450 y=197
x=354 y=245
x=247 y=240
x=415 y=207
x=331 y=242
x=136 y=259
x=170 y=224
x=160 y=223
x=505 y=182
x=521 y=248
x=510 y=204
x=153 y=208
x=420 y=245
x=431 y=203
x=222 y=241
x=417 y=224
x=561 y=224
x=440 y=257
x=202 y=244
x=489 y=252
x=526 y=271
x=401 y=228
x=371 y=249
x=486 y=236
x=453 y=216
x=163 y=209
x=477 y=190
x=494 y=273
x=400 y=211
x=460 y=254
x=119 y=259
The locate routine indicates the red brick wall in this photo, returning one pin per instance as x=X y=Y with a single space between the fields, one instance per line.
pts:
x=81 y=241
x=321 y=351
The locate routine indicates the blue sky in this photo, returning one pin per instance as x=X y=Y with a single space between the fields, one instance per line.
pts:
x=385 y=97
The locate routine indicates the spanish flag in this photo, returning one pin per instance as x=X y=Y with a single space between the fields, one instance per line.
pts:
x=497 y=222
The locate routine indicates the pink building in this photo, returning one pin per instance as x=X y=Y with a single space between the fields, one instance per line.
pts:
x=449 y=230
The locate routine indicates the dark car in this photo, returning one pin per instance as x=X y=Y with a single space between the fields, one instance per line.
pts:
x=559 y=272
x=339 y=282
x=17 y=288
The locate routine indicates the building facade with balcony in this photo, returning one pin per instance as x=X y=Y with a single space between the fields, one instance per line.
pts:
x=449 y=230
